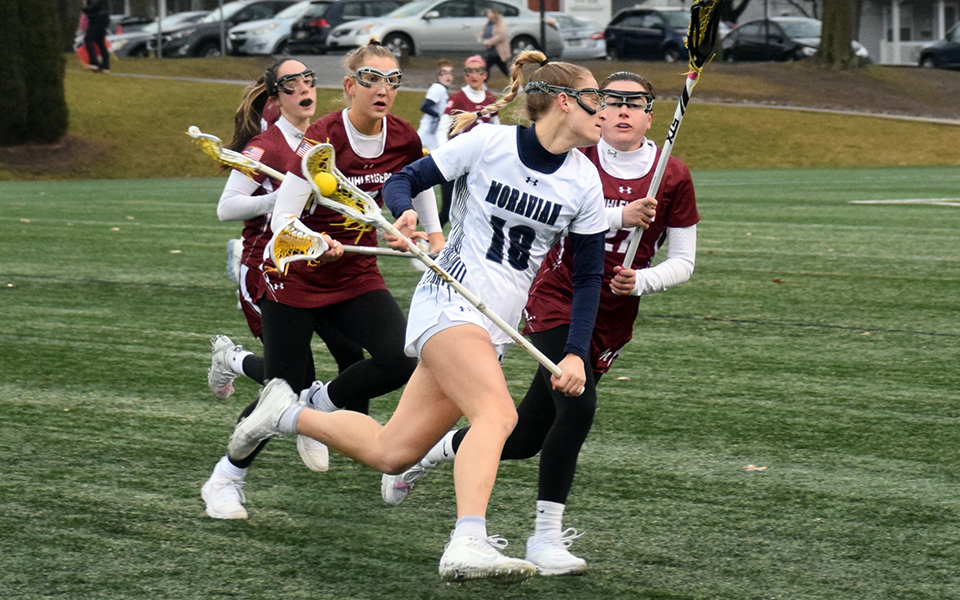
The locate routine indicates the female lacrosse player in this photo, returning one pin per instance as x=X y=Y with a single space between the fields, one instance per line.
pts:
x=550 y=423
x=349 y=294
x=288 y=86
x=519 y=189
x=434 y=104
x=470 y=99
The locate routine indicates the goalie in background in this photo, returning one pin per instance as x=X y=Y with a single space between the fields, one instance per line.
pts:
x=550 y=423
x=349 y=295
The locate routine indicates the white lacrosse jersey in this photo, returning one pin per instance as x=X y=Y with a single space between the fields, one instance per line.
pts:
x=506 y=216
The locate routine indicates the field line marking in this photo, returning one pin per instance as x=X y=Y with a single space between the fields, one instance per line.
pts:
x=931 y=201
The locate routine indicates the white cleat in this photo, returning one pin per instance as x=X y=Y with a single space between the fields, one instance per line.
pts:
x=551 y=556
x=313 y=453
x=467 y=558
x=234 y=253
x=224 y=497
x=394 y=489
x=264 y=421
x=220 y=376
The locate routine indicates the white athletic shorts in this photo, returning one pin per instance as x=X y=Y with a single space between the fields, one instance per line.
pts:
x=438 y=307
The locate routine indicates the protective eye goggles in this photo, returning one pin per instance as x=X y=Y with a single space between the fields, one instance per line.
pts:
x=634 y=101
x=590 y=99
x=369 y=77
x=288 y=83
x=474 y=70
x=443 y=72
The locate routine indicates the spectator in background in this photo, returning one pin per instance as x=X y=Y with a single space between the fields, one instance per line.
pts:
x=434 y=105
x=494 y=37
x=95 y=38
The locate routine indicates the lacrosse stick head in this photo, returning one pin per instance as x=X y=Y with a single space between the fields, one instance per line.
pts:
x=702 y=36
x=212 y=146
x=359 y=210
x=295 y=242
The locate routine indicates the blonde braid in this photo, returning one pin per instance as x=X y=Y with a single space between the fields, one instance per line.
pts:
x=463 y=120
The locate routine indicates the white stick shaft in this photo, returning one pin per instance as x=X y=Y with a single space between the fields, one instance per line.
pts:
x=662 y=163
x=269 y=172
x=475 y=301
x=377 y=251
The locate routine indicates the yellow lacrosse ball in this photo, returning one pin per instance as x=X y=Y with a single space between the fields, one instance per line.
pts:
x=326 y=183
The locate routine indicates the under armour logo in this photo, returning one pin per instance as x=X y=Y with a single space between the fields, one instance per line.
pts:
x=611 y=152
x=624 y=190
x=532 y=181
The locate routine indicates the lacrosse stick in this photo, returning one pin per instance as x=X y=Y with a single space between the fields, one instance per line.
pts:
x=701 y=41
x=212 y=146
x=358 y=207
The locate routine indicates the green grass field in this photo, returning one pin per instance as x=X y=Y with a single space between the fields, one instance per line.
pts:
x=817 y=338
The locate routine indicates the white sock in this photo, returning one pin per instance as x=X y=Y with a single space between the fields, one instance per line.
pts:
x=549 y=518
x=318 y=397
x=472 y=526
x=441 y=451
x=235 y=360
x=228 y=470
x=288 y=420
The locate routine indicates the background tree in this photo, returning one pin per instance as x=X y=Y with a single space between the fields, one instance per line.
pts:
x=33 y=106
x=69 y=11
x=13 y=92
x=835 y=51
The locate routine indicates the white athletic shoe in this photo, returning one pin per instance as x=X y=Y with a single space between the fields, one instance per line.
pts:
x=234 y=253
x=467 y=558
x=224 y=497
x=394 y=489
x=220 y=376
x=264 y=421
x=313 y=453
x=551 y=556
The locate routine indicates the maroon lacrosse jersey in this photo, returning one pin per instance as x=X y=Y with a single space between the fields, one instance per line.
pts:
x=310 y=284
x=552 y=293
x=271 y=148
x=460 y=102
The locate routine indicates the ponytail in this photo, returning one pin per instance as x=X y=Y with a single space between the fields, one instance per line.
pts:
x=246 y=122
x=553 y=73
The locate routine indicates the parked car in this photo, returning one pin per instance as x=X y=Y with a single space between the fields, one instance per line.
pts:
x=203 y=37
x=944 y=54
x=648 y=34
x=582 y=39
x=449 y=26
x=309 y=33
x=135 y=44
x=777 y=39
x=128 y=24
x=266 y=36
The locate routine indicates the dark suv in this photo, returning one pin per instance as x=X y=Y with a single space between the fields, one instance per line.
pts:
x=203 y=37
x=309 y=33
x=648 y=34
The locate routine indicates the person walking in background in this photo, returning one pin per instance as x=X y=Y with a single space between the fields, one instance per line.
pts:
x=95 y=38
x=494 y=37
x=434 y=105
